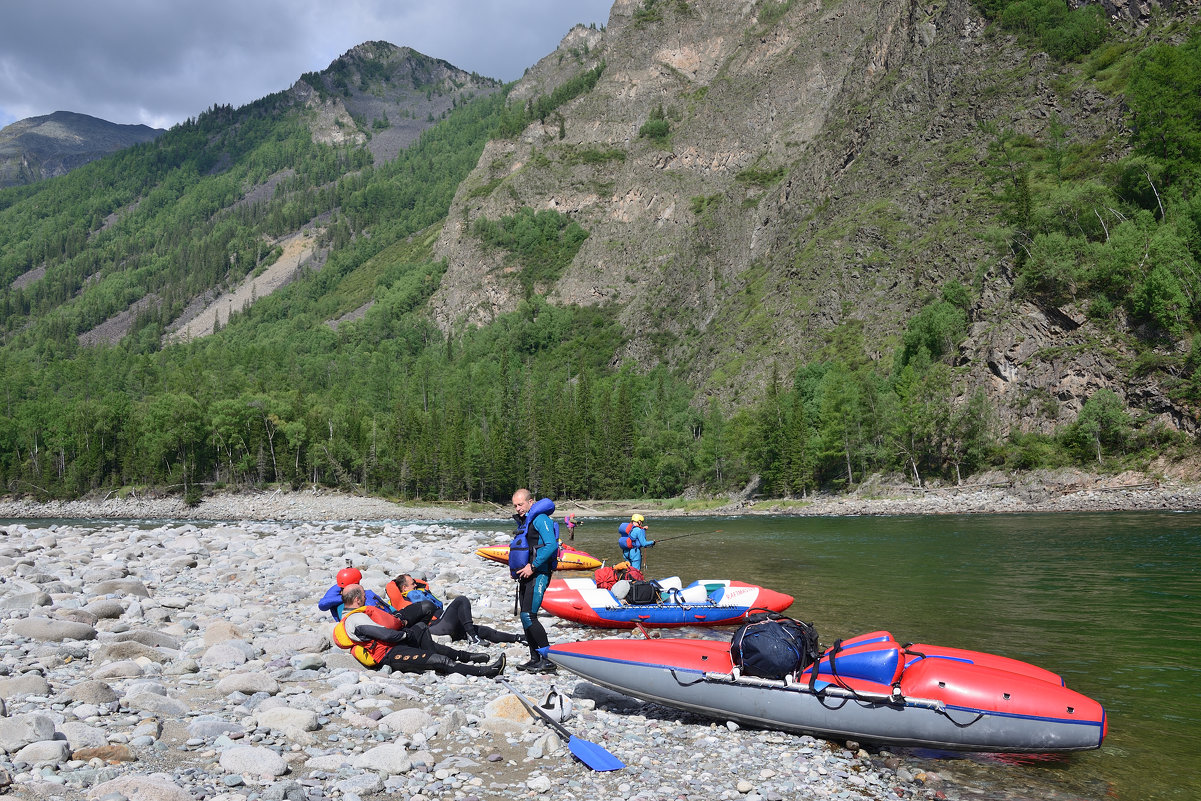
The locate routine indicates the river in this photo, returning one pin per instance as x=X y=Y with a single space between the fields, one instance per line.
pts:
x=1110 y=601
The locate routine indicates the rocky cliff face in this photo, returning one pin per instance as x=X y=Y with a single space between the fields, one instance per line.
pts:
x=383 y=96
x=822 y=168
x=37 y=148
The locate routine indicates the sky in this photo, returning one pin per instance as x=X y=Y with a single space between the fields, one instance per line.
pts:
x=159 y=62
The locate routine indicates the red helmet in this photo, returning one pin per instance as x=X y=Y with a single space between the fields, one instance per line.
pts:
x=348 y=576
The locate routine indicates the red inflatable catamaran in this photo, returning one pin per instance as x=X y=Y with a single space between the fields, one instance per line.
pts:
x=871 y=689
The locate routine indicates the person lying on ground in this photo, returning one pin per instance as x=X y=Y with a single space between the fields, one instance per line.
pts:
x=377 y=640
x=453 y=619
x=332 y=600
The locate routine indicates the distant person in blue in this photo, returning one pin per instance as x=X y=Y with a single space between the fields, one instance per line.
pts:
x=633 y=539
x=534 y=521
x=332 y=600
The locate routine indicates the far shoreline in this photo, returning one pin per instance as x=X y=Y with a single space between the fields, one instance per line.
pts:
x=994 y=493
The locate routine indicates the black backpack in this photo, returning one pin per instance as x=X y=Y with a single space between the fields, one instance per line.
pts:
x=643 y=592
x=774 y=647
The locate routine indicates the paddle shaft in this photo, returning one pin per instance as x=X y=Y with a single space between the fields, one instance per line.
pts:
x=533 y=708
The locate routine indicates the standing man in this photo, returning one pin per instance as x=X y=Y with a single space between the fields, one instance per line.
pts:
x=633 y=540
x=535 y=526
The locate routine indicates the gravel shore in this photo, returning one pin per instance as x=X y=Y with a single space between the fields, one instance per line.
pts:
x=188 y=661
x=1066 y=490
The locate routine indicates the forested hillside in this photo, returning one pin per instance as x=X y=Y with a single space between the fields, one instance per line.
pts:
x=352 y=375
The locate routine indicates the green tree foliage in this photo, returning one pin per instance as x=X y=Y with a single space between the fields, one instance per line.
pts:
x=656 y=128
x=1165 y=105
x=516 y=119
x=1064 y=33
x=1122 y=235
x=1102 y=426
x=543 y=242
x=936 y=329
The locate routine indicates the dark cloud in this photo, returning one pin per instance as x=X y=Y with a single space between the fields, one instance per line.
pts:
x=158 y=62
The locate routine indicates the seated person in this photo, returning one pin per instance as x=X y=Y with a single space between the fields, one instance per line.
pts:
x=332 y=600
x=379 y=639
x=452 y=619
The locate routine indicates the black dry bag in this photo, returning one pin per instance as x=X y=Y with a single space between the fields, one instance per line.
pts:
x=643 y=592
x=774 y=648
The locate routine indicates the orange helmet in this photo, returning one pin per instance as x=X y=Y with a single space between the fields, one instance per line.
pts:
x=348 y=576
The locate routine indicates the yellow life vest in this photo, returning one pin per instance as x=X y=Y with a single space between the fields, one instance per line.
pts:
x=368 y=653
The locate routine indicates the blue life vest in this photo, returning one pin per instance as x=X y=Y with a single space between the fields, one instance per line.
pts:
x=626 y=540
x=521 y=549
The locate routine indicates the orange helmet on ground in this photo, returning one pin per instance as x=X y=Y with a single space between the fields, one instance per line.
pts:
x=348 y=576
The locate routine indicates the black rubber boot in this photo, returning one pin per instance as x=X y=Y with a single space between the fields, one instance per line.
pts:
x=443 y=665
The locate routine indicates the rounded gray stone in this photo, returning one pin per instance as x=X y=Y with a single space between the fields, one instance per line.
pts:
x=248 y=683
x=254 y=760
x=47 y=629
x=53 y=751
x=208 y=727
x=92 y=692
x=106 y=608
x=121 y=587
x=25 y=684
x=21 y=730
x=81 y=735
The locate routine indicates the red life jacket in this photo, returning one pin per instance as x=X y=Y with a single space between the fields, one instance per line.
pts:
x=369 y=653
x=398 y=599
x=395 y=596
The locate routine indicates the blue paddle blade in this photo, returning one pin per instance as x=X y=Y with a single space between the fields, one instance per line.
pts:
x=593 y=755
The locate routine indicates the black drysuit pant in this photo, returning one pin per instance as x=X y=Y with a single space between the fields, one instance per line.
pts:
x=456 y=622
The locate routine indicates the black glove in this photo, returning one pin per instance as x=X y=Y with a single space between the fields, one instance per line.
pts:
x=649 y=544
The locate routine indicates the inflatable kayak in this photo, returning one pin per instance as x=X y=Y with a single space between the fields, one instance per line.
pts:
x=701 y=603
x=569 y=558
x=870 y=689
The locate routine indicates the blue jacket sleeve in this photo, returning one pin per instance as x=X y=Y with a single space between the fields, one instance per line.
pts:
x=332 y=601
x=546 y=558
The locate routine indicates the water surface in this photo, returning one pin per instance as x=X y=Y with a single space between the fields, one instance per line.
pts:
x=1110 y=601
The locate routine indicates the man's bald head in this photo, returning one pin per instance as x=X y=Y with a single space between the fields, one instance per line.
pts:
x=354 y=596
x=522 y=501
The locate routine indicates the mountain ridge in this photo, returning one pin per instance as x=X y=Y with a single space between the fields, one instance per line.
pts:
x=37 y=148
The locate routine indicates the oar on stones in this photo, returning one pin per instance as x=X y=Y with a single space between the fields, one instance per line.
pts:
x=591 y=754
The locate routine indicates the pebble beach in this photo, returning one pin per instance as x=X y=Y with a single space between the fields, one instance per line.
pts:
x=184 y=661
